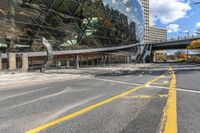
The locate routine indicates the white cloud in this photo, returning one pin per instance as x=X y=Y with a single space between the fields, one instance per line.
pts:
x=113 y=1
x=125 y=1
x=167 y=11
x=198 y=25
x=173 y=28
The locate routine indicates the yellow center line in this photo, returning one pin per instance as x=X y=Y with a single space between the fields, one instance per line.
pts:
x=87 y=109
x=169 y=119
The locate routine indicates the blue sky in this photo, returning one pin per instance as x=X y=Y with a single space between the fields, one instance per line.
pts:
x=176 y=15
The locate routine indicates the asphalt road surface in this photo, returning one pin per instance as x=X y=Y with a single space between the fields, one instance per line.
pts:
x=150 y=100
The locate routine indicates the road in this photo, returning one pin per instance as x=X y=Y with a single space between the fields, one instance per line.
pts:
x=153 y=99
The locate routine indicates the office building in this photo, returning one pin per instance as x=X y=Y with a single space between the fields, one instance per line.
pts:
x=157 y=34
x=152 y=34
x=145 y=5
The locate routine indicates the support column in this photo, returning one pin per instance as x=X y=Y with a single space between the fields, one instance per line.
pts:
x=124 y=57
x=12 y=61
x=128 y=59
x=109 y=60
x=151 y=57
x=93 y=62
x=24 y=62
x=68 y=64
x=0 y=63
x=154 y=57
x=104 y=59
x=77 y=62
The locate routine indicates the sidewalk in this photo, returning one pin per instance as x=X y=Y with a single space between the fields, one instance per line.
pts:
x=15 y=79
x=100 y=70
x=21 y=79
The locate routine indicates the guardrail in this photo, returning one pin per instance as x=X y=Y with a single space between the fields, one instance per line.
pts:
x=177 y=39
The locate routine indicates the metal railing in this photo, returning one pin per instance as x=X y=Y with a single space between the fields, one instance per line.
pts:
x=177 y=39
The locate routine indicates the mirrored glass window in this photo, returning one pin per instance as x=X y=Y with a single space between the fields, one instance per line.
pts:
x=69 y=24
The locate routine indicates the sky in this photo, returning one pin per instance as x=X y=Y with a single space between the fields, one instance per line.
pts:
x=177 y=16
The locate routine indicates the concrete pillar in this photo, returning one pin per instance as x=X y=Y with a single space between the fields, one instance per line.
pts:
x=12 y=61
x=109 y=60
x=128 y=59
x=151 y=57
x=154 y=57
x=125 y=61
x=0 y=62
x=68 y=64
x=104 y=58
x=77 y=62
x=24 y=62
x=93 y=62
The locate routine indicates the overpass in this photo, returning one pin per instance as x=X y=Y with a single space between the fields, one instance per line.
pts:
x=174 y=43
x=177 y=43
x=142 y=52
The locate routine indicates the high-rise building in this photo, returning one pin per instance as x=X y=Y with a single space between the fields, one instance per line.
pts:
x=145 y=5
x=152 y=34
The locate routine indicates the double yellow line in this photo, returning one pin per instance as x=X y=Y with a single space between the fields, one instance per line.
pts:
x=169 y=119
x=87 y=109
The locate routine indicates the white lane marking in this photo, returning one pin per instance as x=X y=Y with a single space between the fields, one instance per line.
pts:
x=23 y=93
x=158 y=87
x=59 y=112
x=185 y=90
x=115 y=81
x=178 y=89
x=36 y=100
x=69 y=89
x=44 y=117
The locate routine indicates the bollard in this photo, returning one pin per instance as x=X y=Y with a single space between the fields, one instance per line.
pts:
x=24 y=62
x=12 y=61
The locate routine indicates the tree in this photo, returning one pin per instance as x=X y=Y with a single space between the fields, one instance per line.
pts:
x=195 y=45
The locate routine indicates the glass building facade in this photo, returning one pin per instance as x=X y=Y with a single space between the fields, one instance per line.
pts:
x=69 y=24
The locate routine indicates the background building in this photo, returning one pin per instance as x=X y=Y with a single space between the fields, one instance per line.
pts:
x=157 y=34
x=69 y=24
x=152 y=34
x=145 y=5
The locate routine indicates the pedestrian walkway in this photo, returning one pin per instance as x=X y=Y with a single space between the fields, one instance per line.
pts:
x=14 y=79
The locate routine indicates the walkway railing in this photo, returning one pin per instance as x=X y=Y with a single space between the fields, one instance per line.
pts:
x=177 y=39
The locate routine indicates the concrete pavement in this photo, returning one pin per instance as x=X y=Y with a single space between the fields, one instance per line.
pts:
x=123 y=101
